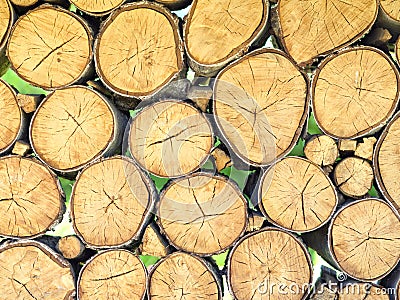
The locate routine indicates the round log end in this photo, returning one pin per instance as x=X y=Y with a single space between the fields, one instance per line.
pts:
x=322 y=150
x=97 y=8
x=70 y=247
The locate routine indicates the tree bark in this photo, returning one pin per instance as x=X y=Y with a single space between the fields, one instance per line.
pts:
x=321 y=150
x=208 y=27
x=156 y=58
x=58 y=57
x=107 y=195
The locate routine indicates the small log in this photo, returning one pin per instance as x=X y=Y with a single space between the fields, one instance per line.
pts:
x=13 y=126
x=106 y=196
x=28 y=103
x=355 y=92
x=267 y=262
x=202 y=214
x=148 y=59
x=153 y=242
x=297 y=195
x=201 y=96
x=256 y=221
x=64 y=129
x=97 y=8
x=7 y=19
x=113 y=275
x=252 y=98
x=59 y=44
x=31 y=270
x=70 y=247
x=364 y=238
x=31 y=198
x=353 y=176
x=366 y=148
x=184 y=276
x=321 y=150
x=317 y=28
x=222 y=160
x=347 y=145
x=21 y=148
x=208 y=27
x=175 y=4
x=170 y=138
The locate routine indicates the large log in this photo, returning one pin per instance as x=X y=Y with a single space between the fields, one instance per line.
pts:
x=355 y=92
x=297 y=195
x=184 y=276
x=321 y=150
x=316 y=28
x=139 y=50
x=108 y=195
x=64 y=130
x=202 y=214
x=31 y=198
x=50 y=47
x=30 y=270
x=208 y=28
x=7 y=18
x=170 y=138
x=260 y=104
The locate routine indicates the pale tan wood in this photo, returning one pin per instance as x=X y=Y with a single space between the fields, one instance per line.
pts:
x=21 y=148
x=354 y=176
x=322 y=150
x=297 y=195
x=183 y=276
x=267 y=257
x=28 y=103
x=210 y=24
x=202 y=214
x=201 y=96
x=222 y=160
x=347 y=145
x=174 y=4
x=318 y=27
x=355 y=92
x=170 y=138
x=70 y=246
x=31 y=199
x=65 y=128
x=50 y=47
x=362 y=291
x=113 y=275
x=260 y=105
x=7 y=18
x=256 y=220
x=30 y=270
x=139 y=50
x=24 y=3
x=11 y=126
x=97 y=7
x=153 y=243
x=364 y=238
x=108 y=195
x=365 y=149
x=391 y=8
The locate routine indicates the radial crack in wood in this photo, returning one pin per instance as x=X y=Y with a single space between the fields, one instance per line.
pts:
x=31 y=199
x=312 y=28
x=268 y=264
x=97 y=7
x=108 y=195
x=113 y=275
x=30 y=270
x=355 y=92
x=170 y=138
x=260 y=104
x=219 y=31
x=139 y=50
x=183 y=276
x=364 y=238
x=322 y=150
x=202 y=214
x=296 y=194
x=50 y=47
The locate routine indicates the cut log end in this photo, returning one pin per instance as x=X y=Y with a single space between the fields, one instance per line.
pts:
x=267 y=258
x=297 y=195
x=153 y=243
x=312 y=30
x=354 y=176
x=366 y=233
x=108 y=194
x=6 y=21
x=28 y=103
x=253 y=99
x=222 y=160
x=70 y=247
x=113 y=274
x=366 y=148
x=21 y=148
x=154 y=59
x=30 y=197
x=183 y=276
x=347 y=145
x=175 y=4
x=208 y=27
x=170 y=138
x=12 y=124
x=64 y=130
x=322 y=150
x=192 y=209
x=97 y=8
x=58 y=43
x=24 y=3
x=362 y=80
x=29 y=270
x=391 y=9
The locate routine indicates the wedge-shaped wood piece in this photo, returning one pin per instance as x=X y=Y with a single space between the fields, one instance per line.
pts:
x=322 y=150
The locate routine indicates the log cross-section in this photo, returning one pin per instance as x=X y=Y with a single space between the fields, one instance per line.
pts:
x=97 y=7
x=6 y=20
